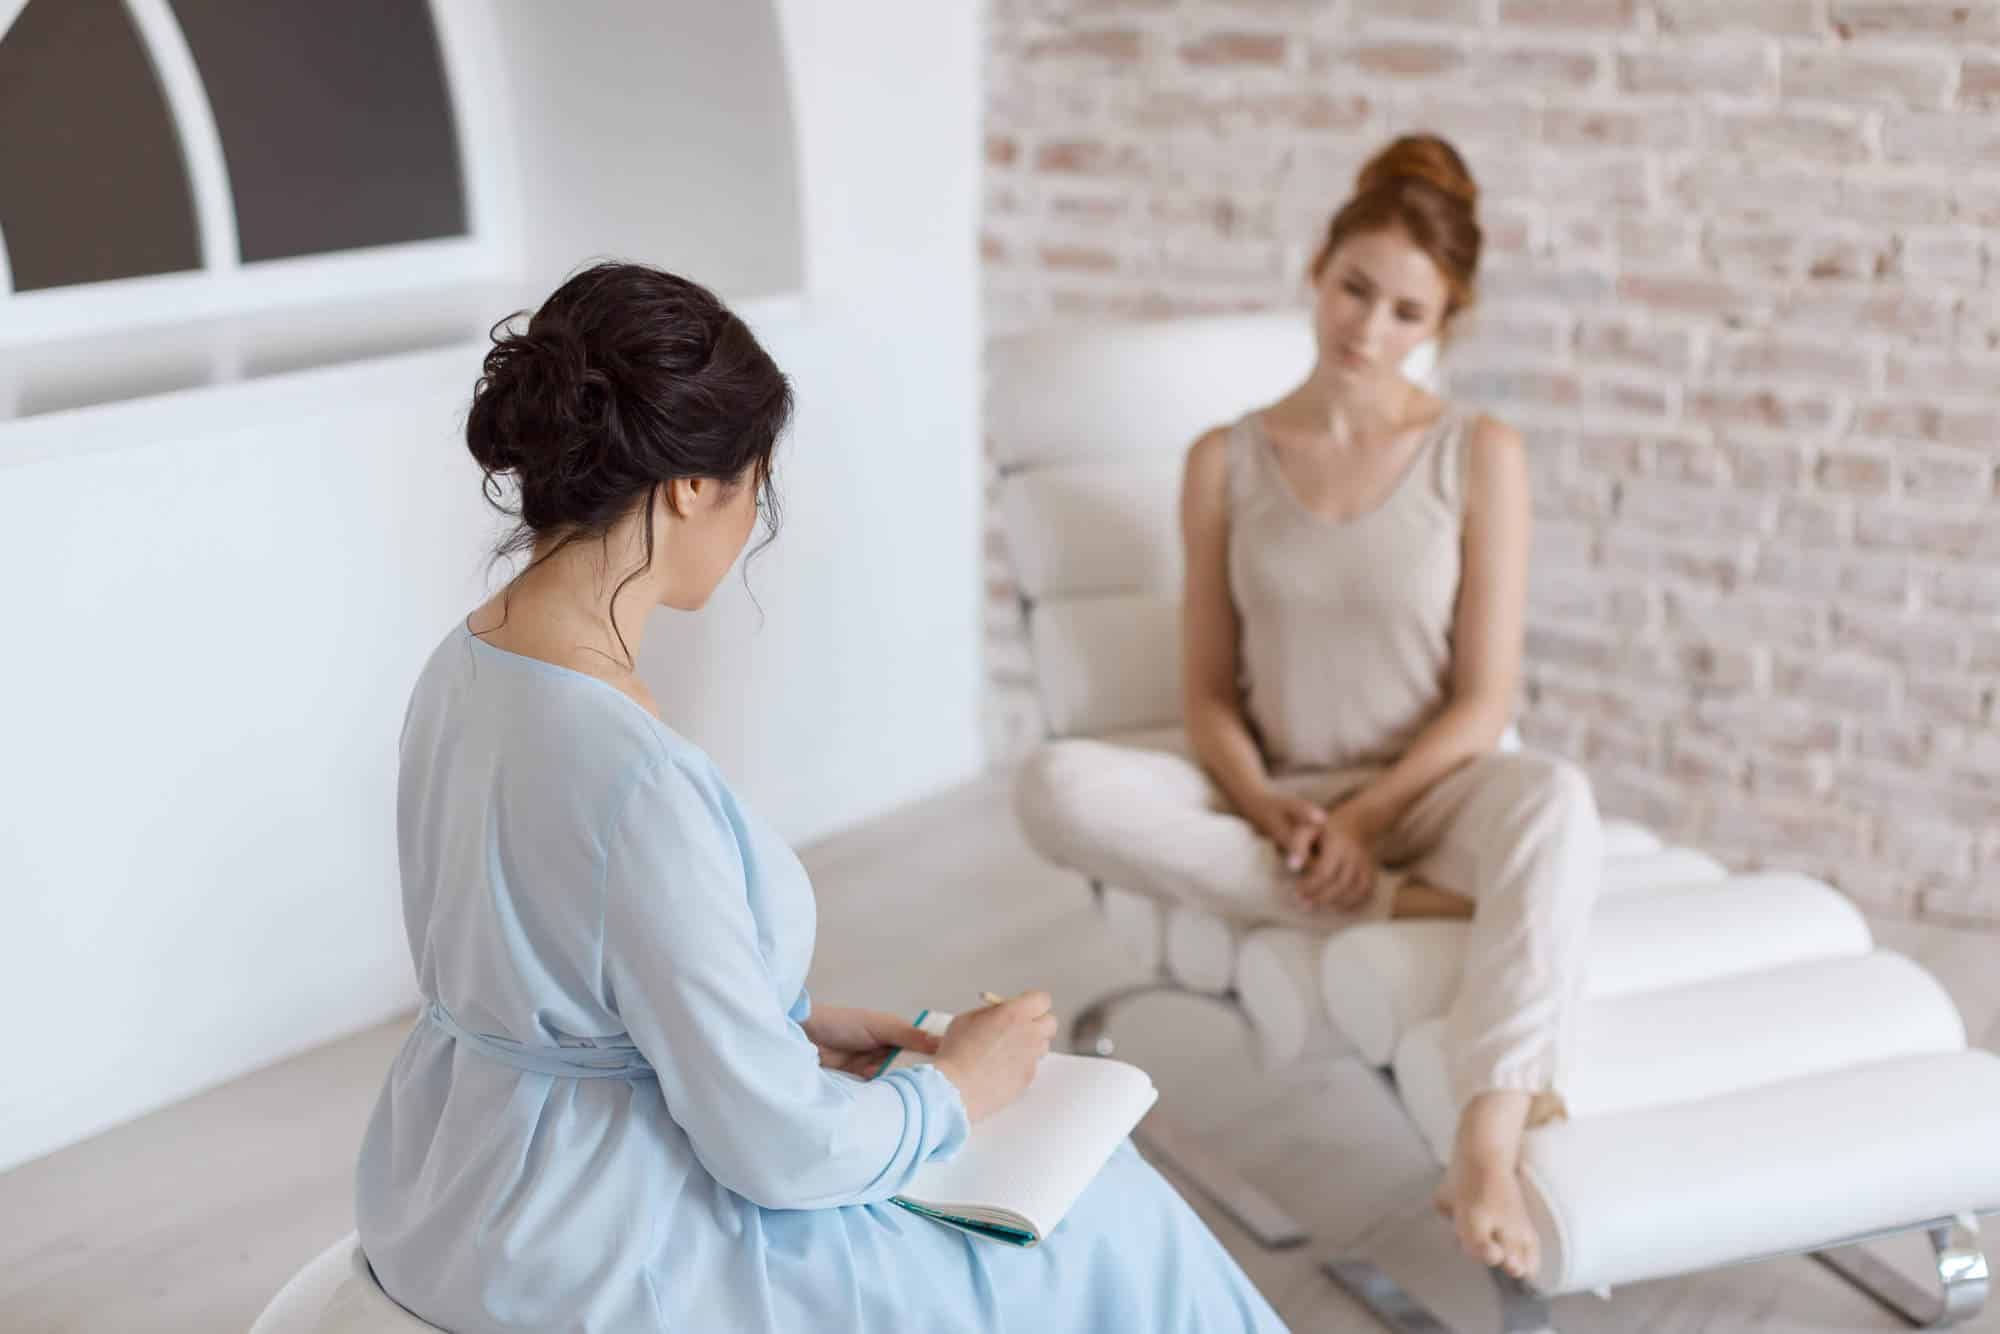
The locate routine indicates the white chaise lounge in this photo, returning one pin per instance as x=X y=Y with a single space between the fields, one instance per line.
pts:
x=1757 y=1077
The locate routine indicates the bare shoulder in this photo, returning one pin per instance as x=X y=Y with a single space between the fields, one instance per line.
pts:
x=1495 y=467
x=1488 y=435
x=1205 y=483
x=1208 y=460
x=1495 y=453
x=1208 y=448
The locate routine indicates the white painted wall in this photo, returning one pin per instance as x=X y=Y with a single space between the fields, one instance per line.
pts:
x=647 y=129
x=217 y=601
x=209 y=638
x=860 y=690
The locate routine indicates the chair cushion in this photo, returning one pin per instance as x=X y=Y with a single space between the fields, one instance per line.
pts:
x=1134 y=387
x=1108 y=664
x=1803 y=1162
x=1106 y=526
x=1622 y=839
x=1661 y=868
x=1707 y=1039
x=337 y=1294
x=1741 y=924
x=1201 y=949
x=1380 y=979
x=1137 y=922
x=1275 y=968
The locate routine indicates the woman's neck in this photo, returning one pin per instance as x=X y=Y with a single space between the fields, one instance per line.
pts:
x=1355 y=411
x=560 y=609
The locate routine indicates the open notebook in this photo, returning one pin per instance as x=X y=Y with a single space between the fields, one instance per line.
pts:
x=1024 y=1166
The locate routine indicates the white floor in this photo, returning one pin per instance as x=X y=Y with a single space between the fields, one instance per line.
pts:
x=189 y=1219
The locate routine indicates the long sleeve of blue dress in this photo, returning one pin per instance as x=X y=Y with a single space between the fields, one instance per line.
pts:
x=685 y=970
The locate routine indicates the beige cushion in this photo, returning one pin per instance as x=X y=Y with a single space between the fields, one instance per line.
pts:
x=1085 y=391
x=1108 y=664
x=1077 y=529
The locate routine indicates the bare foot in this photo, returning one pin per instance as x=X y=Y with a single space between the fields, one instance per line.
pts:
x=1415 y=899
x=1481 y=1191
x=1484 y=1202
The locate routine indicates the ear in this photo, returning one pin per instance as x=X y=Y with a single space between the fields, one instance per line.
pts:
x=682 y=494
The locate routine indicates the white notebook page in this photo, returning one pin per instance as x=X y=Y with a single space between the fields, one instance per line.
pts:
x=1036 y=1155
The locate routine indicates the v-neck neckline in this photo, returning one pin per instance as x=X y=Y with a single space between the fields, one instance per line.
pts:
x=1268 y=446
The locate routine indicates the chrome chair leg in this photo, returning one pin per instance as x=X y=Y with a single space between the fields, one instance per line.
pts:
x=1961 y=1269
x=1165 y=1141
x=1369 y=1284
x=1522 y=1310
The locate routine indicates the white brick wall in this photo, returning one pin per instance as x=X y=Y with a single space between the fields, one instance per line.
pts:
x=1742 y=293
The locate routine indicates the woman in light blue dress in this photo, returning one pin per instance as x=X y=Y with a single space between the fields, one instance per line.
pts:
x=619 y=1111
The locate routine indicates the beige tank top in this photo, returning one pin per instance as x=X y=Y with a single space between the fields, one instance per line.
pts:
x=1346 y=624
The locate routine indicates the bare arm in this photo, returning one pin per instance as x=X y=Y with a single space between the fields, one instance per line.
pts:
x=1487 y=630
x=1210 y=707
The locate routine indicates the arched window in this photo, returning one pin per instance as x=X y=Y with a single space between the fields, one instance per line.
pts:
x=292 y=183
x=92 y=181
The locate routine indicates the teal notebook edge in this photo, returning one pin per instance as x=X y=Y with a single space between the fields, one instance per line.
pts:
x=1013 y=1236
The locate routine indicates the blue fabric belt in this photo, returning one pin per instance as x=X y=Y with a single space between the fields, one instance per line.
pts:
x=619 y=1062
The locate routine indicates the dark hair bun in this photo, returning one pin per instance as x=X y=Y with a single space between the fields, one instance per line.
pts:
x=538 y=391
x=627 y=377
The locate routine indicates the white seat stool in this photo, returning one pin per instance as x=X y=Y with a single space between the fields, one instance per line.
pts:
x=337 y=1294
x=1756 y=1078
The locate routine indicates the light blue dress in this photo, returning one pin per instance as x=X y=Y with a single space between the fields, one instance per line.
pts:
x=609 y=1119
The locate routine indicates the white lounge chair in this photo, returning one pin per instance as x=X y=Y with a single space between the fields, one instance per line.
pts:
x=1757 y=1077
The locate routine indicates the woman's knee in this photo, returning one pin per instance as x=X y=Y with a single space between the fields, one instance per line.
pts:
x=1081 y=788
x=1047 y=787
x=1548 y=784
x=1569 y=790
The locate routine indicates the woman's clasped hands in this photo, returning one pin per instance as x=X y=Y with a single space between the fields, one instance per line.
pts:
x=1329 y=852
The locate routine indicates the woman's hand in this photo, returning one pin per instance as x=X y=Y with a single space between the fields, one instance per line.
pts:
x=1342 y=872
x=991 y=1053
x=1293 y=823
x=857 y=1042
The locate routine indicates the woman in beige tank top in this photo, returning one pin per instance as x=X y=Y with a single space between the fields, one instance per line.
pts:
x=1357 y=558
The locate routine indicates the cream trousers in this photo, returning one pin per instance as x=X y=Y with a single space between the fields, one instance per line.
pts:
x=1517 y=832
